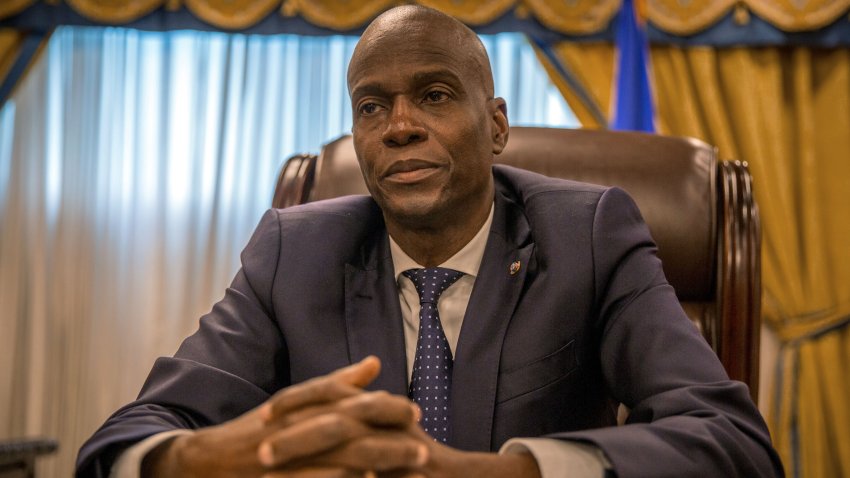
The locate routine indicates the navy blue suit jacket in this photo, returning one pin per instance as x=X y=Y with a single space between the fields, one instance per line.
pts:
x=589 y=321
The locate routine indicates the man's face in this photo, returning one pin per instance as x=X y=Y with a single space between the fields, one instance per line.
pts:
x=425 y=129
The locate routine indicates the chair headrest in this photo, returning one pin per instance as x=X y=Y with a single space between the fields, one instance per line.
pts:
x=673 y=181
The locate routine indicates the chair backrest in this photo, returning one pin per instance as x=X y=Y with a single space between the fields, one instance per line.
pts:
x=700 y=211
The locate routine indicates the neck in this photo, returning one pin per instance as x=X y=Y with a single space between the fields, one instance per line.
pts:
x=433 y=245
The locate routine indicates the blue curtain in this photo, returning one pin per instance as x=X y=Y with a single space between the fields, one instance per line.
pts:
x=633 y=108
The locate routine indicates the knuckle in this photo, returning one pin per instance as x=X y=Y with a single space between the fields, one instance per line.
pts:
x=367 y=404
x=334 y=390
x=386 y=453
x=322 y=388
x=333 y=427
x=380 y=395
x=412 y=453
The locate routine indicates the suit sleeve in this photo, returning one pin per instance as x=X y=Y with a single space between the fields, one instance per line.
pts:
x=687 y=417
x=234 y=361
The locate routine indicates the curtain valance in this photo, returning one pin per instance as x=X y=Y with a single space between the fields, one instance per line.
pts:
x=575 y=17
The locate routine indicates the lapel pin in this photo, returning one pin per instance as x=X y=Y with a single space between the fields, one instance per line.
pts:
x=515 y=267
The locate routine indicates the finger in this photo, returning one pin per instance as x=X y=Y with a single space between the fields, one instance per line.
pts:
x=360 y=374
x=315 y=473
x=339 y=384
x=378 y=452
x=379 y=409
x=315 y=392
x=309 y=437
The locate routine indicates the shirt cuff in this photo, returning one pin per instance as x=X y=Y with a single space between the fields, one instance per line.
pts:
x=561 y=458
x=129 y=463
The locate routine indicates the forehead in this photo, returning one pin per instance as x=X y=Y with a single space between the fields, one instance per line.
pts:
x=411 y=66
x=411 y=54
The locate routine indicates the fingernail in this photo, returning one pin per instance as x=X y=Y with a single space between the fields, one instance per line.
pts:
x=266 y=454
x=370 y=474
x=417 y=413
x=421 y=455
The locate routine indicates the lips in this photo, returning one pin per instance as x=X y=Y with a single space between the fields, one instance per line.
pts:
x=410 y=170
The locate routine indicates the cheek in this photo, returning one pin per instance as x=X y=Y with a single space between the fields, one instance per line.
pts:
x=477 y=157
x=476 y=148
x=366 y=167
x=368 y=171
x=474 y=133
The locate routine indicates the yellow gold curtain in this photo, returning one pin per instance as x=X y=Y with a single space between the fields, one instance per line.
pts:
x=592 y=67
x=576 y=17
x=12 y=7
x=11 y=42
x=18 y=51
x=787 y=112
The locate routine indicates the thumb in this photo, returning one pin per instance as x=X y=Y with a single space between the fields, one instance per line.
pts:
x=359 y=374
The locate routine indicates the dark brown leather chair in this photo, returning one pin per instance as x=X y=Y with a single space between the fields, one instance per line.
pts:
x=700 y=211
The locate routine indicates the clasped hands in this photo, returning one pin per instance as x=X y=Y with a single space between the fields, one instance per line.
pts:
x=328 y=427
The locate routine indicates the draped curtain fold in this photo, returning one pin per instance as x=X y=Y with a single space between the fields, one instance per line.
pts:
x=13 y=7
x=576 y=17
x=11 y=41
x=18 y=49
x=13 y=44
x=591 y=66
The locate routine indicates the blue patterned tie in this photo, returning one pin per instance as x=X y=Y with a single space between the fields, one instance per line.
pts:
x=431 y=384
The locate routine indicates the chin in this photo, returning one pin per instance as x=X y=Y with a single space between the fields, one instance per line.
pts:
x=413 y=213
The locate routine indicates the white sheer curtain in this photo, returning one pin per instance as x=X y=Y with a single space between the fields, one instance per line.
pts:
x=133 y=168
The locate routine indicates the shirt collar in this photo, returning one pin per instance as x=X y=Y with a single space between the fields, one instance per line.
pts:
x=466 y=260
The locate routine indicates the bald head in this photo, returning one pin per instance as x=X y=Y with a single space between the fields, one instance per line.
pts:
x=403 y=28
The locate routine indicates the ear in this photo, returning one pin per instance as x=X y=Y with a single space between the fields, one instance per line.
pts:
x=500 y=127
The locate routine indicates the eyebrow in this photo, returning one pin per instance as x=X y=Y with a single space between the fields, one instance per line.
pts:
x=420 y=78
x=440 y=74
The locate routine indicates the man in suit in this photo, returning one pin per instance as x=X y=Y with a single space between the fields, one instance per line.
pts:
x=558 y=312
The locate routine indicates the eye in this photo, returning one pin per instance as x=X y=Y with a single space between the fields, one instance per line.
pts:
x=368 y=108
x=436 y=96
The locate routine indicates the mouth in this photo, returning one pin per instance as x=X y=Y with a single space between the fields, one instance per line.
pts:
x=410 y=171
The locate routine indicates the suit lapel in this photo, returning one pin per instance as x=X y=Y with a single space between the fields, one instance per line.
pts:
x=373 y=316
x=494 y=298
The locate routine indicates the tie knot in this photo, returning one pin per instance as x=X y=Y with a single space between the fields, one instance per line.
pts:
x=431 y=282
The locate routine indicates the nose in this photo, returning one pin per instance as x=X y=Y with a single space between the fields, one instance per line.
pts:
x=403 y=127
